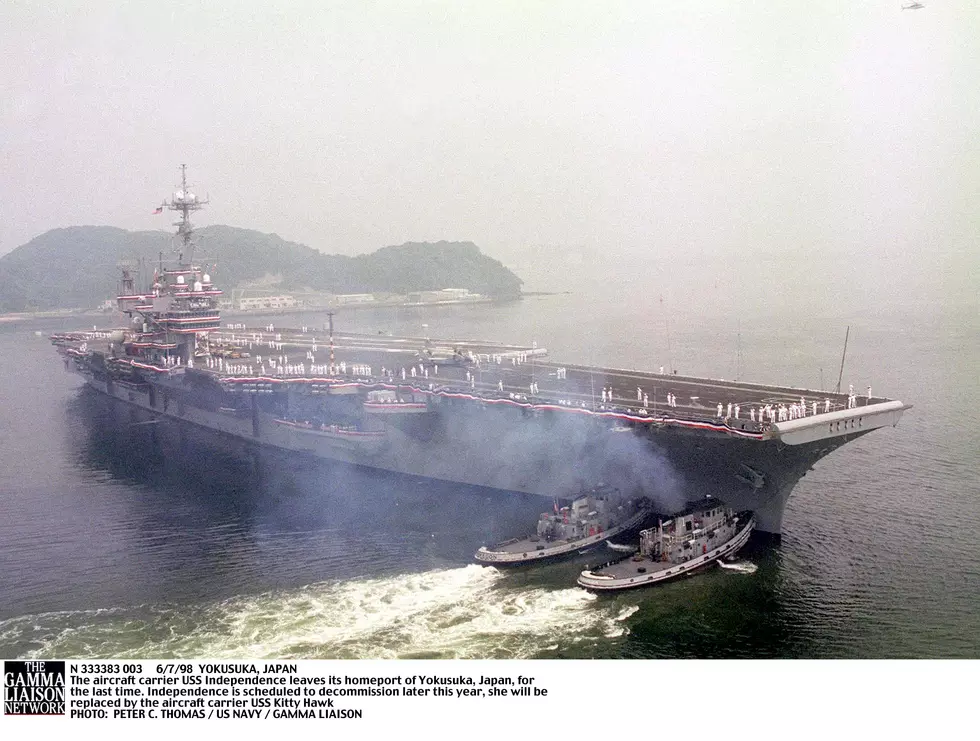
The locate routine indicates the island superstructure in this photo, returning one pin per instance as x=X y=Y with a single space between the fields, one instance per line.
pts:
x=487 y=414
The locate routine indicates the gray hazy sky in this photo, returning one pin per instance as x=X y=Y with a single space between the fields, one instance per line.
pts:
x=630 y=131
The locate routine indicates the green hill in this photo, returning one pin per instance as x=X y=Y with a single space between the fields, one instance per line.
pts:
x=77 y=267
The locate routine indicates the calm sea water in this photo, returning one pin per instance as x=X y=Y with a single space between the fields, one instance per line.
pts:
x=140 y=541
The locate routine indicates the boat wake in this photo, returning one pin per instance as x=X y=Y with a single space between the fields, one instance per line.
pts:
x=621 y=548
x=742 y=567
x=469 y=612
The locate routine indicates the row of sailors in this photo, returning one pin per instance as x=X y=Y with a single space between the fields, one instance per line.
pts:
x=852 y=397
x=279 y=366
x=780 y=413
x=290 y=369
x=325 y=369
x=390 y=373
x=254 y=337
x=496 y=358
x=515 y=360
x=221 y=365
x=286 y=369
x=569 y=403
x=641 y=396
x=232 y=339
x=240 y=369
x=342 y=368
x=771 y=413
x=423 y=372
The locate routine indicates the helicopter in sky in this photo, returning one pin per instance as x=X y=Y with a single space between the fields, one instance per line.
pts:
x=913 y=6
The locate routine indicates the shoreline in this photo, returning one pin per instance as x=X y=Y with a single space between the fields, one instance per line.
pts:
x=20 y=316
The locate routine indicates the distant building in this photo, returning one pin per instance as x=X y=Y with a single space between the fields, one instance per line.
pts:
x=355 y=298
x=268 y=302
x=445 y=294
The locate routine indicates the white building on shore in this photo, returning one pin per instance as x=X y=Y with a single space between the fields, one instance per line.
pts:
x=267 y=302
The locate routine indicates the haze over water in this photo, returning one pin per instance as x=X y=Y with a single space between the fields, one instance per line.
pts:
x=124 y=540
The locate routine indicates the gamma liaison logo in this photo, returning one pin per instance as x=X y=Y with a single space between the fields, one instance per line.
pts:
x=34 y=688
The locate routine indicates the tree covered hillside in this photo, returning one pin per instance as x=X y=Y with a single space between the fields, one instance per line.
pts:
x=78 y=266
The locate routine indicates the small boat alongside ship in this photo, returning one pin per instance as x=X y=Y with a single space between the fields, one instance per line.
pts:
x=690 y=541
x=593 y=517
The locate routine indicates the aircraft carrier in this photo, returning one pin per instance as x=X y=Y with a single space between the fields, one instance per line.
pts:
x=501 y=416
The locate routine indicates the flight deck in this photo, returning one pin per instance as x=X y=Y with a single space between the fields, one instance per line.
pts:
x=520 y=374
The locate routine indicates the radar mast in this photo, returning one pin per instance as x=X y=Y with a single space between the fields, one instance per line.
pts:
x=183 y=201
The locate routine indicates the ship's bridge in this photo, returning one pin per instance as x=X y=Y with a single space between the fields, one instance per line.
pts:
x=190 y=321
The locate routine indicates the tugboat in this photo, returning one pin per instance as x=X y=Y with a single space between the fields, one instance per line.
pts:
x=699 y=536
x=593 y=517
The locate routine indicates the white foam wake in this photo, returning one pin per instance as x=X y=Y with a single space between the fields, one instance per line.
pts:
x=621 y=548
x=742 y=567
x=468 y=612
